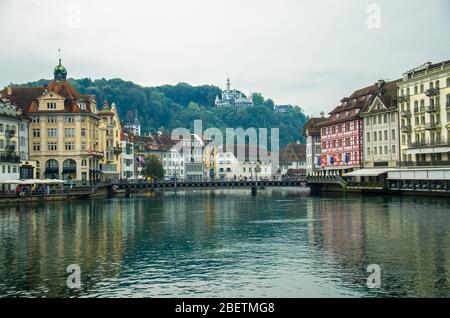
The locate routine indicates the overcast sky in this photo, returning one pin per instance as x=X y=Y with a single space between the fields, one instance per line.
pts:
x=308 y=53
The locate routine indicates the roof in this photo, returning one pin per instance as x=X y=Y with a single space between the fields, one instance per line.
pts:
x=27 y=97
x=387 y=94
x=311 y=125
x=293 y=153
x=369 y=172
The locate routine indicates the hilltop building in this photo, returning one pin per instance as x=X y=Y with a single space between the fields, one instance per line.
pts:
x=233 y=98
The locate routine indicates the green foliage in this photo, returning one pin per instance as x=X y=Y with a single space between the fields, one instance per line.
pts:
x=171 y=106
x=153 y=167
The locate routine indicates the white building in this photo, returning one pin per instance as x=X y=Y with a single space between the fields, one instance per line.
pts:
x=313 y=145
x=10 y=119
x=239 y=162
x=233 y=98
x=381 y=136
x=134 y=127
x=127 y=156
x=184 y=161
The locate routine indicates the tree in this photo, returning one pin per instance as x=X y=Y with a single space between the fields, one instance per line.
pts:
x=153 y=167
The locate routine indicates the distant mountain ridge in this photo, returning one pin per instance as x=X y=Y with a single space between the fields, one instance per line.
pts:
x=164 y=108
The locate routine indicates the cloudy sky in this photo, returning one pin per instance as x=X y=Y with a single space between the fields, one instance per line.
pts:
x=308 y=53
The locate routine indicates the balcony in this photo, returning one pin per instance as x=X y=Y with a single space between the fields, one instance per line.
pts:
x=426 y=144
x=432 y=92
x=430 y=126
x=430 y=109
x=405 y=113
x=403 y=99
x=405 y=128
x=432 y=163
x=10 y=133
x=9 y=157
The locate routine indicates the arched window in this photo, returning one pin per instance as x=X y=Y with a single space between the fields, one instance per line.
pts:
x=52 y=163
x=448 y=81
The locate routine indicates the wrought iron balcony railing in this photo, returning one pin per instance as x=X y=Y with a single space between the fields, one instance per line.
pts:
x=432 y=92
x=9 y=157
x=425 y=144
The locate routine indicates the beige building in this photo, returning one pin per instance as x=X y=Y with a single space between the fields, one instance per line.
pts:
x=424 y=107
x=381 y=128
x=110 y=132
x=63 y=132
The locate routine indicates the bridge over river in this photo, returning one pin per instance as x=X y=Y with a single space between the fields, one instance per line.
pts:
x=173 y=185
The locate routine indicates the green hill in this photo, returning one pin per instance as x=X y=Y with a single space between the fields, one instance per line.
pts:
x=172 y=106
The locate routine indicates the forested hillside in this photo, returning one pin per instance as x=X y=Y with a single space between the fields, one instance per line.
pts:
x=171 y=106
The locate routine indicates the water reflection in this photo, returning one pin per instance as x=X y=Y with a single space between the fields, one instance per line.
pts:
x=282 y=243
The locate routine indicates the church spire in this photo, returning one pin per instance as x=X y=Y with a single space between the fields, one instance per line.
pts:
x=228 y=84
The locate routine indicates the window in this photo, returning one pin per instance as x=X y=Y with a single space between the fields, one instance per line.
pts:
x=421 y=88
x=52 y=146
x=393 y=149
x=36 y=132
x=51 y=105
x=381 y=150
x=385 y=135
x=416 y=89
x=368 y=137
x=385 y=118
x=51 y=119
x=36 y=147
x=70 y=146
x=368 y=121
x=35 y=120
x=83 y=132
x=375 y=150
x=70 y=119
x=52 y=132
x=374 y=136
x=368 y=151
x=393 y=134
x=69 y=132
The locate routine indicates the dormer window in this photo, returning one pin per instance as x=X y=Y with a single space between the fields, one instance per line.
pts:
x=82 y=105
x=347 y=113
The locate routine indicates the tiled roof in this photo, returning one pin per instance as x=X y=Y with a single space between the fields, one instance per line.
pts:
x=388 y=96
x=293 y=153
x=311 y=125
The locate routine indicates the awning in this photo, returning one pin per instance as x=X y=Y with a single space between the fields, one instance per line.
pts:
x=368 y=172
x=420 y=174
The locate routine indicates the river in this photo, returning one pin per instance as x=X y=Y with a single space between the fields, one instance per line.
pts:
x=281 y=243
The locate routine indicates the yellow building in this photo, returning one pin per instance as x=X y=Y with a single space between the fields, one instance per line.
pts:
x=110 y=131
x=210 y=160
x=424 y=109
x=63 y=132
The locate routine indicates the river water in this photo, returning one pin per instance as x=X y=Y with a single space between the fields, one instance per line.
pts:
x=282 y=243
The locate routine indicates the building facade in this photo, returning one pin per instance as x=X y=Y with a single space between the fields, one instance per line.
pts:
x=184 y=160
x=63 y=129
x=424 y=108
x=313 y=145
x=110 y=139
x=381 y=128
x=10 y=120
x=292 y=157
x=127 y=156
x=342 y=134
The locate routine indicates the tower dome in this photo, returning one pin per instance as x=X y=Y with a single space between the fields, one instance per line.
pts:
x=60 y=72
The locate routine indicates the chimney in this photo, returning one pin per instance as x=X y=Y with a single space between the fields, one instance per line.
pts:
x=380 y=83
